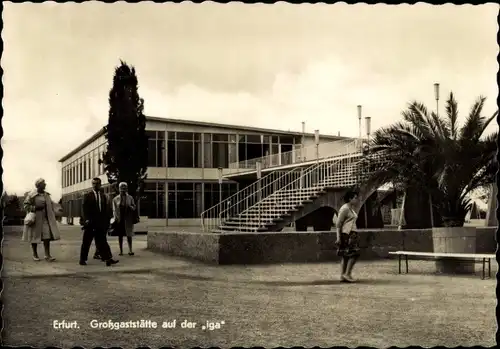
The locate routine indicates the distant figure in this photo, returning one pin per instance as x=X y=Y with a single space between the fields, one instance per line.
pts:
x=96 y=216
x=124 y=215
x=44 y=228
x=347 y=237
x=3 y=204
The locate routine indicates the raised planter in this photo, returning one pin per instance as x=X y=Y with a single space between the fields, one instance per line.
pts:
x=454 y=240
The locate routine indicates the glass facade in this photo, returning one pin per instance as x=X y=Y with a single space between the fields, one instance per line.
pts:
x=83 y=168
x=179 y=199
x=190 y=199
x=156 y=148
x=184 y=150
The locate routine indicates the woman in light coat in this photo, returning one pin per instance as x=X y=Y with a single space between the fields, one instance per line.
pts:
x=44 y=228
x=124 y=216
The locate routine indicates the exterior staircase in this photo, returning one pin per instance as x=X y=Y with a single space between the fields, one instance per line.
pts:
x=282 y=197
x=291 y=202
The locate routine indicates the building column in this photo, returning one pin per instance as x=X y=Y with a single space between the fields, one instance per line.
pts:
x=491 y=213
x=279 y=154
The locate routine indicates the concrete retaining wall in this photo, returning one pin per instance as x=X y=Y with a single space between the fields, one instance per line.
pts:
x=295 y=247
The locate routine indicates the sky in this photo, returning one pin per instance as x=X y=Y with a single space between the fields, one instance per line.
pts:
x=270 y=66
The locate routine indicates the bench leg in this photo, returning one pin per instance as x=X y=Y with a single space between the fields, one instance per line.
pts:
x=489 y=268
x=399 y=264
x=483 y=275
x=406 y=261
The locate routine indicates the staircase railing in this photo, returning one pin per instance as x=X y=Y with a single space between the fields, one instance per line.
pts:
x=210 y=218
x=315 y=177
x=261 y=194
x=295 y=156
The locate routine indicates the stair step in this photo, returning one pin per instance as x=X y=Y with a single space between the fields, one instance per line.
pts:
x=245 y=223
x=268 y=216
x=255 y=211
x=242 y=229
x=238 y=220
x=265 y=206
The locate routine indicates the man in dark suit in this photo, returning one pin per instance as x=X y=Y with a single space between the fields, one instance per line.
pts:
x=97 y=255
x=96 y=216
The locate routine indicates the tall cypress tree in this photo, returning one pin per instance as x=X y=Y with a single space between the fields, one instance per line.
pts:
x=127 y=151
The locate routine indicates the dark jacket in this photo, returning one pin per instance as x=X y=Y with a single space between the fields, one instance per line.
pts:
x=97 y=219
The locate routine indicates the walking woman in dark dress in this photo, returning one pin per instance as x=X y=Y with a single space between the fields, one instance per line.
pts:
x=347 y=237
x=124 y=216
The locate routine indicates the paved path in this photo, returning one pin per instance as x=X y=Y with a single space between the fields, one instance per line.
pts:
x=67 y=250
x=272 y=305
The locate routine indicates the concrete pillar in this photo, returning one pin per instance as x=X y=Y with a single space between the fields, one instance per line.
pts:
x=491 y=213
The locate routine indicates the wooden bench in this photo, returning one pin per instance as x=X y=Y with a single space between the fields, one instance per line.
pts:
x=486 y=258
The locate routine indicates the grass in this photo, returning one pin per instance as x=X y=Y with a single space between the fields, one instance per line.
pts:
x=270 y=306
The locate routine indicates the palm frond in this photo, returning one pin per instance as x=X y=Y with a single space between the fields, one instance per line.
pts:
x=487 y=122
x=433 y=124
x=474 y=123
x=452 y=114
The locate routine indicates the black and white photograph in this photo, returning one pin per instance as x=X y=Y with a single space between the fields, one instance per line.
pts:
x=249 y=175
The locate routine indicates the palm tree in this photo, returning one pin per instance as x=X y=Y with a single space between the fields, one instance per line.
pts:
x=434 y=154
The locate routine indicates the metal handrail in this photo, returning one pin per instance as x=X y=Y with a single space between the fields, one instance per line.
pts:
x=262 y=194
x=322 y=172
x=274 y=197
x=293 y=156
x=250 y=188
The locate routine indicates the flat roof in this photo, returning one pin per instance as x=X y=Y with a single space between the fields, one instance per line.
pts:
x=201 y=123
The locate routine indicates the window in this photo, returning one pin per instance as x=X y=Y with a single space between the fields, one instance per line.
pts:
x=252 y=147
x=184 y=149
x=207 y=150
x=102 y=150
x=160 y=201
x=172 y=201
x=213 y=193
x=286 y=140
x=171 y=150
x=185 y=204
x=220 y=138
x=210 y=199
x=220 y=155
x=80 y=170
x=160 y=149
x=89 y=166
x=152 y=202
x=184 y=200
x=233 y=150
x=84 y=171
x=151 y=148
x=147 y=205
x=197 y=151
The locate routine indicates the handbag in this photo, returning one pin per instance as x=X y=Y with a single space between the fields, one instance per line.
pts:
x=30 y=218
x=112 y=228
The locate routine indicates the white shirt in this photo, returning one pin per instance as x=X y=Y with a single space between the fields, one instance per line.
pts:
x=98 y=198
x=347 y=218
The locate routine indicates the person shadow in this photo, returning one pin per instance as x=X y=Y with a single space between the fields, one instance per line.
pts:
x=324 y=282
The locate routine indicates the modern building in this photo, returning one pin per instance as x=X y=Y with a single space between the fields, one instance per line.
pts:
x=185 y=162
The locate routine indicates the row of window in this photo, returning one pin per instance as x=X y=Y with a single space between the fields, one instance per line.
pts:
x=185 y=199
x=84 y=168
x=186 y=150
